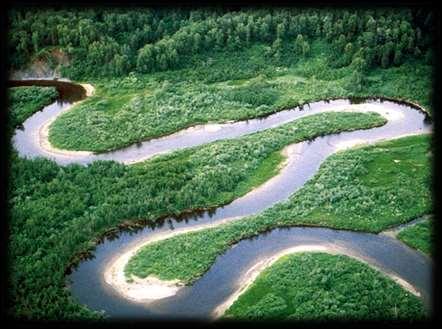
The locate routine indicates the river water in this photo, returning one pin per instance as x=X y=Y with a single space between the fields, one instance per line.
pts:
x=224 y=277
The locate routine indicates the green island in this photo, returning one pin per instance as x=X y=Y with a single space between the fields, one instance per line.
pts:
x=323 y=287
x=158 y=71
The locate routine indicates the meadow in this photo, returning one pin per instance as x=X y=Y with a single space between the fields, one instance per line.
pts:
x=322 y=287
x=420 y=236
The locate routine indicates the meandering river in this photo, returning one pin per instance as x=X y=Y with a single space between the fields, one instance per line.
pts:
x=228 y=273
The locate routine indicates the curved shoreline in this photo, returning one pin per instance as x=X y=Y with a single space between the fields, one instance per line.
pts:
x=118 y=154
x=152 y=288
x=251 y=275
x=52 y=150
x=43 y=132
x=394 y=231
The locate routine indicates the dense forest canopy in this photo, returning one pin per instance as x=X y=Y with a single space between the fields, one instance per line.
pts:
x=107 y=42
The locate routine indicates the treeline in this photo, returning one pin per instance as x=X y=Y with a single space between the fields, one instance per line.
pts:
x=116 y=41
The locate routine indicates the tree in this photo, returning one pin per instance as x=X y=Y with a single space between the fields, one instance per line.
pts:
x=146 y=58
x=358 y=66
x=397 y=57
x=299 y=43
x=35 y=41
x=386 y=54
x=264 y=31
x=348 y=53
x=196 y=42
x=248 y=35
x=277 y=48
x=280 y=31
x=305 y=48
x=219 y=39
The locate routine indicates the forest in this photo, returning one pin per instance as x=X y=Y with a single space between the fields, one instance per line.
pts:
x=114 y=42
x=159 y=70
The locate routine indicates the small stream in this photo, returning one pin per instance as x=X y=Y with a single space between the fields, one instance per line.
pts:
x=199 y=300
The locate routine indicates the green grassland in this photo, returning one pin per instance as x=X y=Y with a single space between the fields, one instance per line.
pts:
x=139 y=107
x=361 y=189
x=419 y=236
x=321 y=287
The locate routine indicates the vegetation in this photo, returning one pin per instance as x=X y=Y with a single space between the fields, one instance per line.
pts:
x=58 y=212
x=114 y=42
x=25 y=101
x=321 y=287
x=137 y=107
x=419 y=236
x=283 y=57
x=160 y=70
x=362 y=189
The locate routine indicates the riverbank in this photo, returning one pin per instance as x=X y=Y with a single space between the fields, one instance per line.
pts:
x=412 y=154
x=250 y=276
x=150 y=288
x=43 y=133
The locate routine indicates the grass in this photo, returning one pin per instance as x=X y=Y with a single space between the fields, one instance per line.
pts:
x=58 y=213
x=419 y=236
x=268 y=168
x=344 y=194
x=140 y=107
x=321 y=287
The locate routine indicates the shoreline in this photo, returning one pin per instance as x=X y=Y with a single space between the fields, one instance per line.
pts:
x=252 y=274
x=151 y=287
x=43 y=132
x=394 y=231
x=48 y=148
